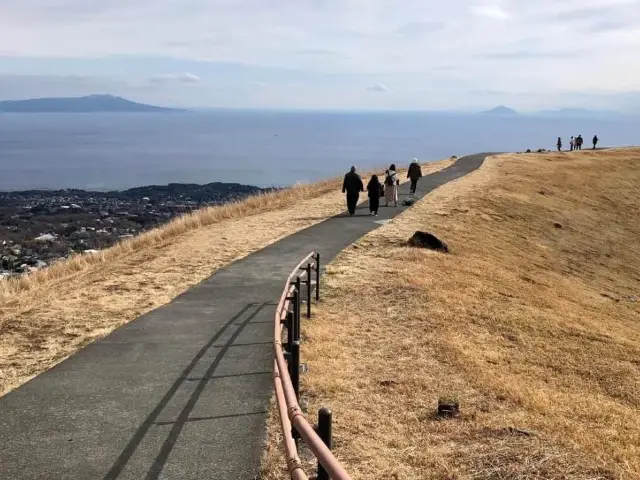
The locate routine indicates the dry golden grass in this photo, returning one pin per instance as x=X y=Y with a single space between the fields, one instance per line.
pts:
x=49 y=315
x=534 y=328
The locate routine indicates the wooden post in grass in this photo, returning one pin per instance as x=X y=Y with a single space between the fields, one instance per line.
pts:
x=308 y=269
x=325 y=418
x=317 y=277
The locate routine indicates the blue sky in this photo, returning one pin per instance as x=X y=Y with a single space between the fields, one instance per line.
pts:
x=333 y=54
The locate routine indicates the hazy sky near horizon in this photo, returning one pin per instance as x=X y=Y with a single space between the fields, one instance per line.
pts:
x=337 y=54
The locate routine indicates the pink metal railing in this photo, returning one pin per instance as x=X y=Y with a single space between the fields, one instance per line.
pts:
x=288 y=408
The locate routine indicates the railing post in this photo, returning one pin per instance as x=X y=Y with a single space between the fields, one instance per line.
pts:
x=294 y=375
x=317 y=277
x=298 y=304
x=289 y=331
x=308 y=269
x=324 y=432
x=294 y=367
x=295 y=335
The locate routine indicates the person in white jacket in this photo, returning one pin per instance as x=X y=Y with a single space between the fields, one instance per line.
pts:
x=391 y=186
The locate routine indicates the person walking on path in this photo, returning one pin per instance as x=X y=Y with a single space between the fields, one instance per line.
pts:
x=559 y=144
x=579 y=142
x=352 y=186
x=391 y=186
x=414 y=174
x=595 y=141
x=572 y=144
x=374 y=191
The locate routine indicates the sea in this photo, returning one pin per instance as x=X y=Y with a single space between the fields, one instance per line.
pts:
x=113 y=151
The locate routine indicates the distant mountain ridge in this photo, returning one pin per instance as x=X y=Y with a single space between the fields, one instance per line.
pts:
x=579 y=113
x=191 y=191
x=86 y=104
x=501 y=110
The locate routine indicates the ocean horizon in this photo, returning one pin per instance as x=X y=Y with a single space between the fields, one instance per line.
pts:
x=116 y=151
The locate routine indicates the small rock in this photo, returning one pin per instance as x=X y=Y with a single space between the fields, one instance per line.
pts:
x=387 y=383
x=427 y=240
x=557 y=225
x=520 y=432
x=448 y=407
x=47 y=237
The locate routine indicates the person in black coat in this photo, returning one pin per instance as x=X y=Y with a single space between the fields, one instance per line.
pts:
x=374 y=191
x=414 y=174
x=352 y=186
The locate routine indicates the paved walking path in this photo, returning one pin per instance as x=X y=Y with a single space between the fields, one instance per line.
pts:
x=182 y=392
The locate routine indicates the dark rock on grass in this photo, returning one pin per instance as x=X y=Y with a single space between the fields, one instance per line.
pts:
x=448 y=407
x=387 y=383
x=427 y=240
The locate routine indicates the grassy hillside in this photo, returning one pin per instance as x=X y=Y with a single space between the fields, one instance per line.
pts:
x=46 y=316
x=532 y=323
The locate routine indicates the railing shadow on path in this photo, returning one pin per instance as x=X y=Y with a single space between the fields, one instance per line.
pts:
x=251 y=310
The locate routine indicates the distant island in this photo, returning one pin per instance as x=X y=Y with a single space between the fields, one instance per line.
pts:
x=501 y=110
x=579 y=113
x=87 y=104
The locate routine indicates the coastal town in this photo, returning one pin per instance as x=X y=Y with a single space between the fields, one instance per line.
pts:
x=38 y=228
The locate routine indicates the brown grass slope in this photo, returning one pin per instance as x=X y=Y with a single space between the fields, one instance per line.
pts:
x=534 y=327
x=49 y=315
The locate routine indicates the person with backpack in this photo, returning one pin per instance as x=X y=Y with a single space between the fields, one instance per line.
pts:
x=595 y=141
x=414 y=174
x=391 y=186
x=375 y=190
x=579 y=142
x=352 y=186
x=559 y=144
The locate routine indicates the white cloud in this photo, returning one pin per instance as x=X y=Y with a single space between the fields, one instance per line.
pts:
x=494 y=11
x=378 y=87
x=175 y=77
x=188 y=78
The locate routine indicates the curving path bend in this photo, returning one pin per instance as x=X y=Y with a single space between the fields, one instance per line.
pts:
x=181 y=392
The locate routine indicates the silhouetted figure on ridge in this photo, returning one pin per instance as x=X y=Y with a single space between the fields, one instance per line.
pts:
x=595 y=141
x=559 y=144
